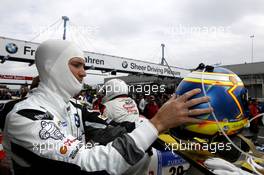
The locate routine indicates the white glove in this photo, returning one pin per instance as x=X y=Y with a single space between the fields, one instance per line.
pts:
x=222 y=167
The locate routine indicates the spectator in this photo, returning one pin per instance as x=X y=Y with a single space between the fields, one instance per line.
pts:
x=151 y=108
x=89 y=97
x=97 y=103
x=23 y=91
x=254 y=125
x=5 y=94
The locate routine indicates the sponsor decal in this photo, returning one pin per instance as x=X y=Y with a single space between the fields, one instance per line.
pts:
x=155 y=69
x=15 y=77
x=50 y=130
x=29 y=51
x=130 y=107
x=11 y=48
x=62 y=124
x=124 y=64
x=45 y=116
x=77 y=120
x=76 y=150
x=90 y=60
x=69 y=142
x=63 y=149
x=170 y=163
x=170 y=159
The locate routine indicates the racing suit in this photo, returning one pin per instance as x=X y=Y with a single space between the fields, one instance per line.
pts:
x=122 y=109
x=44 y=134
x=35 y=135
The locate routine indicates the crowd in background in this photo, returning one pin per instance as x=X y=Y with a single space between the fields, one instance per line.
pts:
x=148 y=105
x=253 y=109
x=7 y=94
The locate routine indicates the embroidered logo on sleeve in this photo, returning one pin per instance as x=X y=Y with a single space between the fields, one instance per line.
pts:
x=46 y=116
x=130 y=107
x=50 y=130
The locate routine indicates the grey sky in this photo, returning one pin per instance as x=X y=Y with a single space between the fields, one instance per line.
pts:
x=194 y=31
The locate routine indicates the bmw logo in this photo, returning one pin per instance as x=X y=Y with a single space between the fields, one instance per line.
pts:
x=77 y=120
x=11 y=48
x=124 y=64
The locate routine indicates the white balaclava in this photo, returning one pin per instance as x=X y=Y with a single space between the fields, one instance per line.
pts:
x=52 y=58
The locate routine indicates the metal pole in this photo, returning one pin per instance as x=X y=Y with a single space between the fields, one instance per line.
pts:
x=65 y=19
x=162 y=56
x=252 y=76
x=252 y=37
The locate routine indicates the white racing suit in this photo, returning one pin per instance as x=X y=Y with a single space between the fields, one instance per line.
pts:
x=36 y=137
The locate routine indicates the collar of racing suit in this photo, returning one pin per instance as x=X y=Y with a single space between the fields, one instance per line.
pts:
x=57 y=83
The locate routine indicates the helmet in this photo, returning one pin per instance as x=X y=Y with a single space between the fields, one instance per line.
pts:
x=227 y=97
x=113 y=88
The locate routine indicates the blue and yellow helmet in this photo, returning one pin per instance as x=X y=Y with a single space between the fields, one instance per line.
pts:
x=227 y=97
